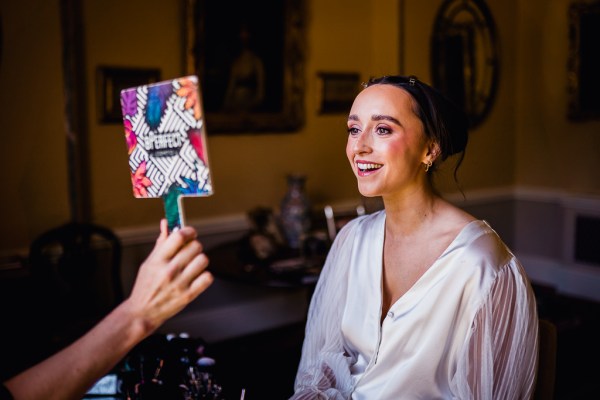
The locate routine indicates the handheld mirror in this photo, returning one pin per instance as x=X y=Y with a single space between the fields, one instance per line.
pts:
x=165 y=136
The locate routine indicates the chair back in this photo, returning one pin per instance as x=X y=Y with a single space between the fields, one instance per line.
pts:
x=336 y=218
x=546 y=373
x=76 y=273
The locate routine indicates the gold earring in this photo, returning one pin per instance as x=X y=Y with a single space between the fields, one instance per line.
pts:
x=428 y=165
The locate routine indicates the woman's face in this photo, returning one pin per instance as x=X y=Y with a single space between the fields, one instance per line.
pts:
x=386 y=142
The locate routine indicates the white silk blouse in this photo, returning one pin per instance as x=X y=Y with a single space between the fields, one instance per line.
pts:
x=467 y=329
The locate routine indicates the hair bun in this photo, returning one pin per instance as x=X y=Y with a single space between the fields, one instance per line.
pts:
x=455 y=122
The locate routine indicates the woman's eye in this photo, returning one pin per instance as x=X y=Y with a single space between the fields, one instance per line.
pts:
x=382 y=130
x=353 y=131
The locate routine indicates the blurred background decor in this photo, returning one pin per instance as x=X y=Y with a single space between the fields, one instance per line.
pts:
x=337 y=91
x=295 y=211
x=111 y=80
x=465 y=55
x=584 y=62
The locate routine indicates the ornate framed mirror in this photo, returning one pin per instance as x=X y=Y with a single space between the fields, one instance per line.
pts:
x=464 y=56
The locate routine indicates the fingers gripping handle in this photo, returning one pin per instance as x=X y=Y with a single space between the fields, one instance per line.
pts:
x=173 y=211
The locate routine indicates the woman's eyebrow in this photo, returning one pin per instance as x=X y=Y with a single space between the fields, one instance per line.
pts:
x=377 y=117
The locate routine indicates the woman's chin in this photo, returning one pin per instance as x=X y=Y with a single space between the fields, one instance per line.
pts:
x=367 y=192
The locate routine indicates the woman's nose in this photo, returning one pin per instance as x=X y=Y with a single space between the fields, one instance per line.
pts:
x=362 y=143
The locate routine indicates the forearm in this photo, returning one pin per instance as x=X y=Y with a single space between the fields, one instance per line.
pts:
x=172 y=276
x=69 y=373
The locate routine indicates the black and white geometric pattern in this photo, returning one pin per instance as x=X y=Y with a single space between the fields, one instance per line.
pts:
x=170 y=167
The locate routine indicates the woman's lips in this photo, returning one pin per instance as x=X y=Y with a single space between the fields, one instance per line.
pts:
x=365 y=168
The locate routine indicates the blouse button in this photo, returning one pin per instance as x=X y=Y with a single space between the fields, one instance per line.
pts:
x=390 y=314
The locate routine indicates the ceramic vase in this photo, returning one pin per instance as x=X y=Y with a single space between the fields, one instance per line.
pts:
x=295 y=211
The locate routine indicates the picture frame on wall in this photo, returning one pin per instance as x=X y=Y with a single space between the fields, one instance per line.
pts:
x=337 y=91
x=250 y=63
x=111 y=80
x=584 y=62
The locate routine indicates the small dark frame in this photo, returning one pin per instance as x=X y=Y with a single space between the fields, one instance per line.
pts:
x=337 y=91
x=584 y=61
x=111 y=80
x=265 y=93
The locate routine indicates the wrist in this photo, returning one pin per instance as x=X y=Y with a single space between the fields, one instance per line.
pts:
x=138 y=326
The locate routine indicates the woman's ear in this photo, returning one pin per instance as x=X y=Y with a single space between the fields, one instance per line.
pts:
x=433 y=151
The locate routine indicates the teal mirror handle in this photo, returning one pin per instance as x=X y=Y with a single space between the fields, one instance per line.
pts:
x=173 y=210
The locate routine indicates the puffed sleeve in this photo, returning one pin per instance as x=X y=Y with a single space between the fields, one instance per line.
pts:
x=500 y=360
x=324 y=371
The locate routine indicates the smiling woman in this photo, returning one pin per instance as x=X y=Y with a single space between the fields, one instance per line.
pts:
x=420 y=277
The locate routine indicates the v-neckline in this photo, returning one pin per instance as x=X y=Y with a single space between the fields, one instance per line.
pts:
x=430 y=270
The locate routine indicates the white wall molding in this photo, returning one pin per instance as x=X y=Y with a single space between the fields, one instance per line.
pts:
x=220 y=225
x=527 y=193
x=480 y=196
x=238 y=222
x=569 y=279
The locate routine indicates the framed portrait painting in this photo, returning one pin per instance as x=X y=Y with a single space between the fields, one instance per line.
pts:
x=250 y=62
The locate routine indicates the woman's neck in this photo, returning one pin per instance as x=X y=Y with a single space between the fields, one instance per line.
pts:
x=408 y=214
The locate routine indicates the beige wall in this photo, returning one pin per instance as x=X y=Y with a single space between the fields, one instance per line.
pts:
x=526 y=140
x=33 y=154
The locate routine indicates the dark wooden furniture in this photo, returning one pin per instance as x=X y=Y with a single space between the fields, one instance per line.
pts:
x=286 y=268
